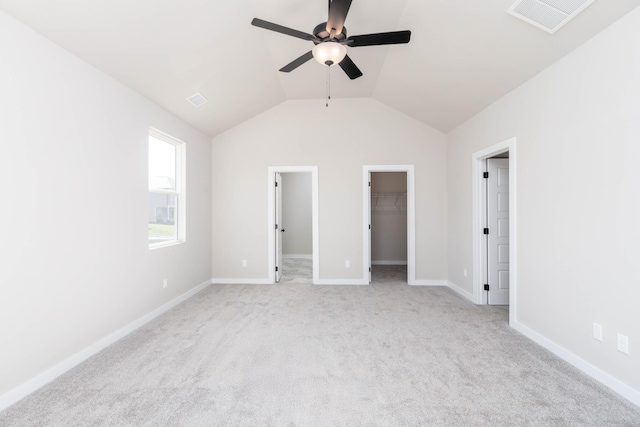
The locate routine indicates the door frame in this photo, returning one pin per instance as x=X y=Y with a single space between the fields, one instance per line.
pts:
x=271 y=179
x=479 y=217
x=411 y=218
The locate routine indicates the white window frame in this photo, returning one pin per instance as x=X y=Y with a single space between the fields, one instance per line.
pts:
x=179 y=192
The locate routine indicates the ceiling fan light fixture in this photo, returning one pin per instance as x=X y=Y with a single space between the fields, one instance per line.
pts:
x=329 y=53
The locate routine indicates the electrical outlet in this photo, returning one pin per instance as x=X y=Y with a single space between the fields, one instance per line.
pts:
x=464 y=271
x=597 y=332
x=623 y=344
x=244 y=262
x=164 y=283
x=347 y=264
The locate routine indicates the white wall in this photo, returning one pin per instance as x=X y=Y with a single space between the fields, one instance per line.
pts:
x=578 y=131
x=75 y=264
x=296 y=214
x=389 y=217
x=339 y=139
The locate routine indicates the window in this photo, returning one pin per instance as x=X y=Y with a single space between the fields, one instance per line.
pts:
x=166 y=189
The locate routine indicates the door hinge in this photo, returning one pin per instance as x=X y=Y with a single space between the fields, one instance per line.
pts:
x=485 y=175
x=486 y=231
x=277 y=228
x=369 y=183
x=276 y=268
x=276 y=183
x=369 y=269
x=486 y=287
x=369 y=226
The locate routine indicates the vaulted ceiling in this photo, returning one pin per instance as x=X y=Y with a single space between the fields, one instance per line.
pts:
x=463 y=54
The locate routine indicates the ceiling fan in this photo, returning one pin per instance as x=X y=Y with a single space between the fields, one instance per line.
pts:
x=330 y=39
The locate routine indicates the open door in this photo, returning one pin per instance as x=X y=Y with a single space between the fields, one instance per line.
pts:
x=278 y=226
x=498 y=231
x=369 y=213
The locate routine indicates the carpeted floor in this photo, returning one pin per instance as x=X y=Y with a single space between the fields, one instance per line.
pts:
x=300 y=270
x=297 y=270
x=297 y=354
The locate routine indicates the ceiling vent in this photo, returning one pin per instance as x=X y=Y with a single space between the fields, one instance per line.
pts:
x=548 y=15
x=197 y=99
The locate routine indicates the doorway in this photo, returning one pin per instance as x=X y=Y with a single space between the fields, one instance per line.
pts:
x=494 y=226
x=296 y=229
x=293 y=242
x=389 y=202
x=389 y=227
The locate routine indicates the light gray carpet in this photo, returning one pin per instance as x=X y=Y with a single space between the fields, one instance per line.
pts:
x=299 y=270
x=295 y=354
x=389 y=274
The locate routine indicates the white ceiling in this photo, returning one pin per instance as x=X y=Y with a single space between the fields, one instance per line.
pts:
x=463 y=54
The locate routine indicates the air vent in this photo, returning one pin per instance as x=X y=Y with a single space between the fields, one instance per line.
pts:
x=197 y=99
x=548 y=15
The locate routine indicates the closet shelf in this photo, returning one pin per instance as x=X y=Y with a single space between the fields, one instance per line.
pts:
x=389 y=202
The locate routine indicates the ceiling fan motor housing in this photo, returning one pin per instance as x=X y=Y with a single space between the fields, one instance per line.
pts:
x=320 y=31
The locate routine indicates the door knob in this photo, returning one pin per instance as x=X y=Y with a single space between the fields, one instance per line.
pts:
x=282 y=231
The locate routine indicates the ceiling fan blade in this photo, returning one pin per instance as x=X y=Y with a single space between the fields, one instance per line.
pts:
x=394 y=37
x=297 y=62
x=337 y=14
x=350 y=68
x=280 y=29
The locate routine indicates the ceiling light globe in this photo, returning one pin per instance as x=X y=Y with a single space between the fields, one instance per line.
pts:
x=329 y=53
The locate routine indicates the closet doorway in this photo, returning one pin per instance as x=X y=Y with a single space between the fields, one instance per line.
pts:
x=389 y=224
x=389 y=227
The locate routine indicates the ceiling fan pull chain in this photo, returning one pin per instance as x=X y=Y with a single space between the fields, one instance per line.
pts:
x=328 y=84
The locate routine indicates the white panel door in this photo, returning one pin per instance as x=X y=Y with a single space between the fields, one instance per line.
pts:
x=278 y=226
x=498 y=238
x=369 y=198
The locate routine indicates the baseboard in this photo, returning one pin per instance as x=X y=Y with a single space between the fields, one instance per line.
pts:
x=389 y=262
x=422 y=282
x=348 y=282
x=216 y=281
x=299 y=256
x=594 y=372
x=51 y=374
x=338 y=282
x=457 y=289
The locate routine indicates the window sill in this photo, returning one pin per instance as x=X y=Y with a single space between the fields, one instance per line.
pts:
x=159 y=245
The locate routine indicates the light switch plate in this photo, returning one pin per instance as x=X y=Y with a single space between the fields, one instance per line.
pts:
x=597 y=332
x=623 y=344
